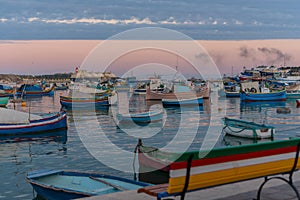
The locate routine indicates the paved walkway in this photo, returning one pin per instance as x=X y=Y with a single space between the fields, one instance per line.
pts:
x=273 y=190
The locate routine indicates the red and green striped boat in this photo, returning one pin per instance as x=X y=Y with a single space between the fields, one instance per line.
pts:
x=222 y=165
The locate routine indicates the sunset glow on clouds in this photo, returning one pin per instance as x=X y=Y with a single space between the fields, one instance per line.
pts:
x=55 y=36
x=51 y=56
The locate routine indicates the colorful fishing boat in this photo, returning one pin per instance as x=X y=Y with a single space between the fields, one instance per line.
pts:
x=155 y=85
x=197 y=101
x=153 y=159
x=178 y=92
x=270 y=96
x=15 y=122
x=4 y=101
x=142 y=117
x=63 y=185
x=231 y=89
x=34 y=90
x=4 y=93
x=250 y=91
x=223 y=158
x=83 y=89
x=242 y=128
x=70 y=102
x=6 y=89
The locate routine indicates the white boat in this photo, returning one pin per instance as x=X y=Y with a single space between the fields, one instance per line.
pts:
x=241 y=128
x=142 y=117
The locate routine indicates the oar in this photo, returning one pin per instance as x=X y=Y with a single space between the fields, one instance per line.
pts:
x=107 y=183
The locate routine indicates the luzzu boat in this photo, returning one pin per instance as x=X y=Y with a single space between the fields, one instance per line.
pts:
x=70 y=102
x=252 y=92
x=270 y=96
x=15 y=122
x=242 y=128
x=34 y=90
x=152 y=158
x=178 y=92
x=62 y=185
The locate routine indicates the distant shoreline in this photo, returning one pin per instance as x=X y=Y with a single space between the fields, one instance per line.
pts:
x=13 y=78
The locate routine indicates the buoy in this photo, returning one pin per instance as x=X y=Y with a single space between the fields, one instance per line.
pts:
x=283 y=110
x=23 y=104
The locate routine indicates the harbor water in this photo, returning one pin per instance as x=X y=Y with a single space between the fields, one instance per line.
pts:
x=65 y=149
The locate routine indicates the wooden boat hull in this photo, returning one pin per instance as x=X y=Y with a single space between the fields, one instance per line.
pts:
x=27 y=91
x=222 y=162
x=272 y=96
x=151 y=95
x=4 y=101
x=63 y=185
x=73 y=103
x=50 y=122
x=150 y=162
x=183 y=102
x=32 y=93
x=143 y=117
x=232 y=94
x=247 y=133
x=6 y=94
x=241 y=128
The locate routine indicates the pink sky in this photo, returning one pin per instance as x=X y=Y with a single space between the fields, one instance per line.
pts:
x=52 y=56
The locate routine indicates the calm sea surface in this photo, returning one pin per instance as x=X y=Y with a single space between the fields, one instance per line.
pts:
x=65 y=150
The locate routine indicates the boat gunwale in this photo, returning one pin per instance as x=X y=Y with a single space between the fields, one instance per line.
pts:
x=31 y=179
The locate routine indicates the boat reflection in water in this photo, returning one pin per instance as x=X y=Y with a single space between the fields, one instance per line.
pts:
x=258 y=106
x=229 y=140
x=59 y=136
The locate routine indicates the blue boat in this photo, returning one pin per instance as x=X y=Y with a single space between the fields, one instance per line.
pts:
x=6 y=91
x=197 y=101
x=142 y=117
x=232 y=93
x=34 y=90
x=269 y=96
x=16 y=122
x=63 y=185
